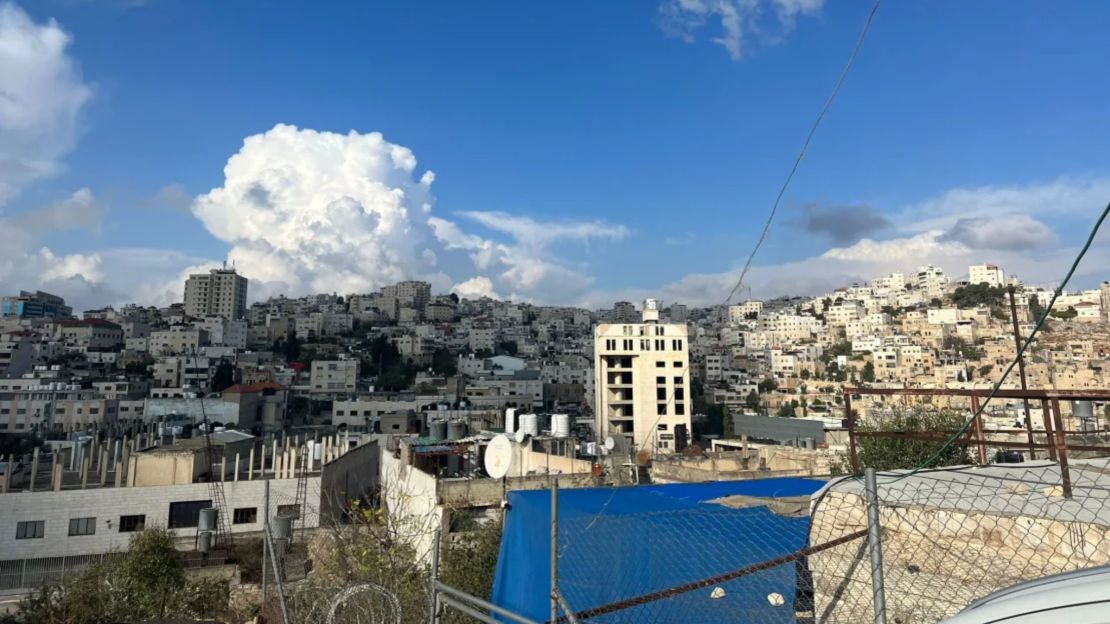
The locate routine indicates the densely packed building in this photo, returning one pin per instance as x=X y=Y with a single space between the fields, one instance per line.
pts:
x=405 y=349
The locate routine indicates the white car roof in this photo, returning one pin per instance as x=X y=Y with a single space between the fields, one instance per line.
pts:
x=1079 y=597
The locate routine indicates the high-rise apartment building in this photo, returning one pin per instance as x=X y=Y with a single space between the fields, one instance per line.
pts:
x=220 y=292
x=410 y=294
x=642 y=382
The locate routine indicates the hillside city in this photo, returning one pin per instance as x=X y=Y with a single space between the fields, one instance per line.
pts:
x=347 y=361
x=225 y=433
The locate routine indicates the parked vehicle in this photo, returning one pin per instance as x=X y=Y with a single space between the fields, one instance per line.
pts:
x=1080 y=597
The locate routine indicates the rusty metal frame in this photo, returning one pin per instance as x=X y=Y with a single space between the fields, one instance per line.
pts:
x=1056 y=442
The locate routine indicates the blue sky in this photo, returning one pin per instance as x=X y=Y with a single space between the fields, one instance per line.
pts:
x=586 y=151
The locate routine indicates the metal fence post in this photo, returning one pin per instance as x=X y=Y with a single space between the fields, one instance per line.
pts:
x=433 y=603
x=874 y=540
x=554 y=550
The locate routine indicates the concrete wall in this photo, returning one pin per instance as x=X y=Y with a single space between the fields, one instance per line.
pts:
x=108 y=504
x=352 y=476
x=467 y=493
x=526 y=461
x=776 y=461
x=164 y=468
x=410 y=497
x=936 y=560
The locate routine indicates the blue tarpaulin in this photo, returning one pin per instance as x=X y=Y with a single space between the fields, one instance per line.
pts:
x=618 y=543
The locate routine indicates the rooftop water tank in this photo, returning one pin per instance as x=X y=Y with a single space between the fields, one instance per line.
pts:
x=456 y=429
x=207 y=519
x=438 y=430
x=510 y=419
x=560 y=425
x=1082 y=409
x=529 y=424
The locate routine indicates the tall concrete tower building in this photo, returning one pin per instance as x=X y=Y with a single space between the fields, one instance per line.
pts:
x=642 y=382
x=220 y=292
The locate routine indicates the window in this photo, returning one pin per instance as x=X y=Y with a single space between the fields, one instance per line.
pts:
x=338 y=412
x=627 y=345
x=244 y=515
x=676 y=345
x=678 y=381
x=33 y=529
x=679 y=394
x=660 y=364
x=186 y=514
x=289 y=510
x=661 y=409
x=662 y=427
x=680 y=409
x=661 y=394
x=678 y=364
x=82 y=526
x=660 y=345
x=660 y=381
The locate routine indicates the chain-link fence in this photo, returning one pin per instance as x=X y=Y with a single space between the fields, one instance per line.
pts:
x=954 y=535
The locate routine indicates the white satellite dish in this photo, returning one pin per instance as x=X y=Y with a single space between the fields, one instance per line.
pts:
x=520 y=436
x=610 y=443
x=499 y=456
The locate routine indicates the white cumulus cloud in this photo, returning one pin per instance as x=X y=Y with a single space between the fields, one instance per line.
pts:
x=307 y=211
x=475 y=288
x=41 y=94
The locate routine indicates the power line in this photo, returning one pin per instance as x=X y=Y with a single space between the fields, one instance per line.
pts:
x=805 y=146
x=774 y=210
x=1021 y=352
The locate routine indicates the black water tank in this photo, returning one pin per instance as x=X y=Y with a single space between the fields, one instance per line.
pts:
x=1009 y=457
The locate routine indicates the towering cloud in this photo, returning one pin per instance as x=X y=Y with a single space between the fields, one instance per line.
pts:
x=307 y=211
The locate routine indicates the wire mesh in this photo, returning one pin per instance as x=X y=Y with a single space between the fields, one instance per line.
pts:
x=713 y=563
x=952 y=536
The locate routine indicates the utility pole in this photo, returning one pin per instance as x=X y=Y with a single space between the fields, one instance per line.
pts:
x=1021 y=371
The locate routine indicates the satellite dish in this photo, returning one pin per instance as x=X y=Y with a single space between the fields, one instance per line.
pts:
x=520 y=436
x=499 y=456
x=610 y=443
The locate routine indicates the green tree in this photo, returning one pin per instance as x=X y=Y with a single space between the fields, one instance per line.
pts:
x=805 y=374
x=146 y=582
x=444 y=362
x=768 y=385
x=786 y=410
x=469 y=560
x=900 y=453
x=752 y=400
x=292 y=347
x=224 y=377
x=975 y=295
x=507 y=347
x=1065 y=315
x=1036 y=310
x=868 y=374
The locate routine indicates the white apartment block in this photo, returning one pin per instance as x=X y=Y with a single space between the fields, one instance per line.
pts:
x=177 y=340
x=642 y=381
x=220 y=292
x=893 y=283
x=988 y=274
x=482 y=337
x=844 y=313
x=932 y=281
x=410 y=294
x=334 y=376
x=225 y=332
x=740 y=312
